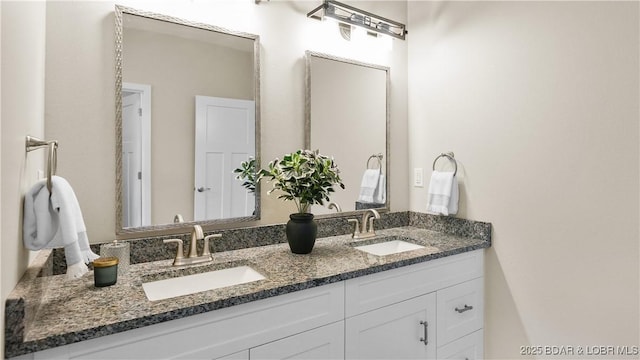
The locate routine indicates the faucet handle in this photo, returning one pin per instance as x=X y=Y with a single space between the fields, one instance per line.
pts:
x=371 y=229
x=356 y=229
x=179 y=253
x=205 y=250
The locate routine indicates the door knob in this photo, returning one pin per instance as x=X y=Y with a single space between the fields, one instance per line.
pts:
x=203 y=189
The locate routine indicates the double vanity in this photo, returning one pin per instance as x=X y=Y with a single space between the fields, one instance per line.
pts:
x=420 y=297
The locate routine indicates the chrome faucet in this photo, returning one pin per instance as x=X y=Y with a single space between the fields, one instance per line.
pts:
x=365 y=229
x=196 y=234
x=193 y=257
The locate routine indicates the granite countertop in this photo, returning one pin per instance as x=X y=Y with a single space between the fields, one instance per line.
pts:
x=72 y=311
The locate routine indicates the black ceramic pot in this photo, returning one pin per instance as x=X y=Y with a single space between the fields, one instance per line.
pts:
x=301 y=233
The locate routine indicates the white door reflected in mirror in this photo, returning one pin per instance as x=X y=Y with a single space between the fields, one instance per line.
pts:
x=225 y=137
x=136 y=164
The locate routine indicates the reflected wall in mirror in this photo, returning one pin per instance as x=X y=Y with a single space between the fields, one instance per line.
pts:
x=347 y=117
x=187 y=100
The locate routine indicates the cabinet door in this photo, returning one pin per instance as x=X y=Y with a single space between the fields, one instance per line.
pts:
x=326 y=342
x=469 y=347
x=405 y=330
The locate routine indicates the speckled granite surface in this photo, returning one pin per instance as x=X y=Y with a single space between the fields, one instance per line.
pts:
x=47 y=311
x=451 y=225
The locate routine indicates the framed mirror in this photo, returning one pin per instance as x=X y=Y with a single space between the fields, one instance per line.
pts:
x=187 y=115
x=347 y=117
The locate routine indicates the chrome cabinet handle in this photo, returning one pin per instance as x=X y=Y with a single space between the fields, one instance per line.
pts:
x=465 y=308
x=203 y=189
x=425 y=339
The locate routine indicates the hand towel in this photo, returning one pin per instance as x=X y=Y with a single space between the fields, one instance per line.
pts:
x=54 y=220
x=443 y=194
x=380 y=193
x=370 y=181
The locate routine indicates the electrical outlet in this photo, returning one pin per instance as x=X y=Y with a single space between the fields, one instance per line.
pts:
x=40 y=175
x=418 y=177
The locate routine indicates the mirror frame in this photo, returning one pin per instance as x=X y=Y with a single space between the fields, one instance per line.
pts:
x=307 y=121
x=119 y=13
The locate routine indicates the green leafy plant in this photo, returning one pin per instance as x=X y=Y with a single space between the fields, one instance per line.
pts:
x=247 y=172
x=305 y=177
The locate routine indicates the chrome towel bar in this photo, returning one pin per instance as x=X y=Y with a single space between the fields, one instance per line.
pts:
x=33 y=143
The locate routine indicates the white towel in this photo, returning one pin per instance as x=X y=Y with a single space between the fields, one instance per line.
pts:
x=443 y=193
x=370 y=181
x=380 y=193
x=56 y=221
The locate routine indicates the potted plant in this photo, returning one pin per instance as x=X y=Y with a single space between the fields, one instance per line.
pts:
x=307 y=178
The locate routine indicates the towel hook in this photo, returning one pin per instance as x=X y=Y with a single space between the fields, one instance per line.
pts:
x=33 y=143
x=450 y=156
x=378 y=156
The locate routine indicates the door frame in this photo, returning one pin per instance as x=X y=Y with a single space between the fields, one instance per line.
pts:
x=145 y=105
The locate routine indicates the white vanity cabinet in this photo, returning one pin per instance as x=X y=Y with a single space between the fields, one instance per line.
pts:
x=227 y=333
x=426 y=310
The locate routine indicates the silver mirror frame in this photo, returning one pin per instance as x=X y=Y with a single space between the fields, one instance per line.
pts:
x=307 y=121
x=119 y=12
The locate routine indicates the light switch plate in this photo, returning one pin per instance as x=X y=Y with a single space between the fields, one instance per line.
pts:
x=418 y=177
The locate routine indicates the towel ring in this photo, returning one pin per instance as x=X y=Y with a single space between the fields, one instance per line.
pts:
x=378 y=156
x=449 y=156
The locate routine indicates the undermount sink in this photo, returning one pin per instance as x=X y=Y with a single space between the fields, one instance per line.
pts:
x=386 y=246
x=195 y=283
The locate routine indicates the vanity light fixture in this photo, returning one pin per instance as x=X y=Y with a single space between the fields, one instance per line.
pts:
x=351 y=16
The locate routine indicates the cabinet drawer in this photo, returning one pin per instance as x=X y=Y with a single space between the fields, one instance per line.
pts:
x=240 y=355
x=460 y=310
x=326 y=342
x=388 y=287
x=470 y=347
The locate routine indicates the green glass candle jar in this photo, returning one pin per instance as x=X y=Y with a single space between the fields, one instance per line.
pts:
x=105 y=271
